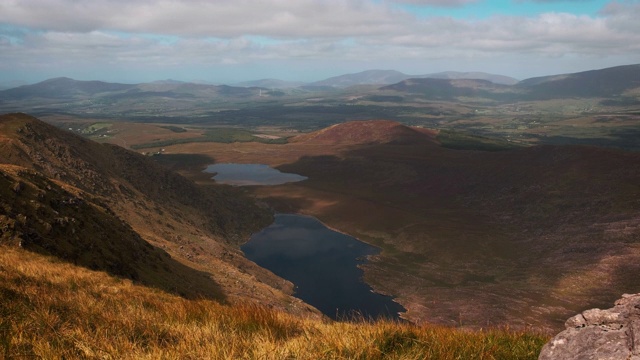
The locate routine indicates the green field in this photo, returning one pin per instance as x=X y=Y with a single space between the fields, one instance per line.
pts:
x=216 y=135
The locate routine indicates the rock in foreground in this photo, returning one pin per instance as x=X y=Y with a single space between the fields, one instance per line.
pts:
x=599 y=334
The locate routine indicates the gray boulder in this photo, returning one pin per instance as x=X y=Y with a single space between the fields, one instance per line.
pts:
x=610 y=334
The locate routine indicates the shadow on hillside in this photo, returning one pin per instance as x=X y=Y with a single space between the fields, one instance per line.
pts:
x=287 y=205
x=525 y=218
x=150 y=266
x=41 y=216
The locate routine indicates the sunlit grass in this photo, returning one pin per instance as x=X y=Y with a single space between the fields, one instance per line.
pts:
x=54 y=310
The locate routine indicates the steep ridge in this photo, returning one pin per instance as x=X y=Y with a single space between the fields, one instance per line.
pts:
x=52 y=218
x=110 y=209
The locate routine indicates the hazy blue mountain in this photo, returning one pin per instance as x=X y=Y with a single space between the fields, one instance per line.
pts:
x=271 y=84
x=388 y=77
x=455 y=75
x=607 y=82
x=381 y=77
x=62 y=88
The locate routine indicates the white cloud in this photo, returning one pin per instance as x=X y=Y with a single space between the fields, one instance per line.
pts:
x=221 y=18
x=172 y=33
x=442 y=3
x=554 y=1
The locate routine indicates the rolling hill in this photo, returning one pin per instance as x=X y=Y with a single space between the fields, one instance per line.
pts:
x=387 y=77
x=609 y=82
x=66 y=88
x=366 y=132
x=63 y=88
x=270 y=84
x=496 y=79
x=453 y=89
x=622 y=81
x=361 y=78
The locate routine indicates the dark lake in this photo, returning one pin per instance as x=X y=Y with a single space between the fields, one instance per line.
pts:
x=323 y=264
x=250 y=174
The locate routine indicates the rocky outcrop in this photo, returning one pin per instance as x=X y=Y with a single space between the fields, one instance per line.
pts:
x=609 y=334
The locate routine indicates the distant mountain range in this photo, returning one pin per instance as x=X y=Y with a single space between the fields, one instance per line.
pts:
x=271 y=83
x=618 y=84
x=387 y=77
x=66 y=88
x=63 y=87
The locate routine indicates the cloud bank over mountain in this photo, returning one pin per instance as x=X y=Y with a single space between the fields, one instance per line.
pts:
x=251 y=39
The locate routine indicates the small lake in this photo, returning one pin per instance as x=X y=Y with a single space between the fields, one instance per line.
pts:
x=323 y=264
x=250 y=174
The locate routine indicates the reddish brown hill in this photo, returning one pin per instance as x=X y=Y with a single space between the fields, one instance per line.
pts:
x=367 y=132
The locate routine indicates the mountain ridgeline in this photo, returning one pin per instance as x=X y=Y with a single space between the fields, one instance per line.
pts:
x=610 y=82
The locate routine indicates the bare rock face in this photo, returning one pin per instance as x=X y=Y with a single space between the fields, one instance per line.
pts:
x=610 y=334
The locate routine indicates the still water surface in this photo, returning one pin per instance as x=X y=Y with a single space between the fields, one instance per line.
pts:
x=250 y=174
x=322 y=263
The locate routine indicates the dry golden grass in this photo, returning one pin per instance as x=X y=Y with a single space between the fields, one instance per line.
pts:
x=54 y=310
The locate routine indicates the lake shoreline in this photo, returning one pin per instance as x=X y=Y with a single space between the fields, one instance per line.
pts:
x=324 y=264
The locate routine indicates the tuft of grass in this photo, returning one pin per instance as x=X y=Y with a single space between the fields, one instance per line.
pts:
x=54 y=310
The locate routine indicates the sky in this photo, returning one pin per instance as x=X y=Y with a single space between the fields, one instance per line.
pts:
x=228 y=41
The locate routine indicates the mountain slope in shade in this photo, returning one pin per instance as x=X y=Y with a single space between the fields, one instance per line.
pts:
x=595 y=83
x=110 y=209
x=387 y=77
x=451 y=89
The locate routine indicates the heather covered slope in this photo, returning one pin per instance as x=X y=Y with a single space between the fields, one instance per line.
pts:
x=110 y=209
x=517 y=236
x=52 y=218
x=522 y=236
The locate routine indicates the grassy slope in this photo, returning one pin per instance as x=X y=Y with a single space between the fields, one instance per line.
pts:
x=103 y=207
x=55 y=310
